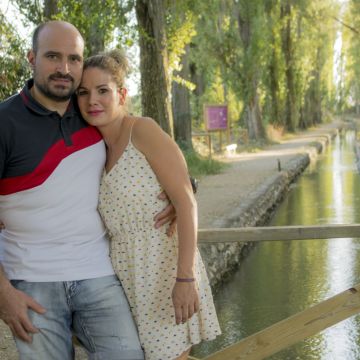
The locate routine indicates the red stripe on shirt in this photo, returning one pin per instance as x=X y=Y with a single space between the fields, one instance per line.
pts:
x=81 y=139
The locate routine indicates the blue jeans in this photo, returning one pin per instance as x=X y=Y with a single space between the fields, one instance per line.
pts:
x=96 y=311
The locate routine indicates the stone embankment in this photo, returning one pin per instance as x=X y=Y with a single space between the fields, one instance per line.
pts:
x=248 y=192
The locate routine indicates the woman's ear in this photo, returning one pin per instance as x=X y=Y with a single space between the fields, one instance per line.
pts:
x=122 y=95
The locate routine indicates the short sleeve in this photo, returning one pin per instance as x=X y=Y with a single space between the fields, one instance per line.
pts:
x=3 y=153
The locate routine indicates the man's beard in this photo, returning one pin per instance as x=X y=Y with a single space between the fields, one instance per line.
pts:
x=51 y=94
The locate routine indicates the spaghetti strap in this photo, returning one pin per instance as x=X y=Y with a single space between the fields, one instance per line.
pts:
x=131 y=129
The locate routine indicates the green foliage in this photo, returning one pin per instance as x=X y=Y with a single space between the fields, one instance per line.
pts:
x=199 y=166
x=12 y=60
x=307 y=56
x=213 y=51
x=179 y=30
x=31 y=11
x=236 y=50
x=98 y=21
x=349 y=88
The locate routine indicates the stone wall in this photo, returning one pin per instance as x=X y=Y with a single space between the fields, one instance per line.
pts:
x=222 y=259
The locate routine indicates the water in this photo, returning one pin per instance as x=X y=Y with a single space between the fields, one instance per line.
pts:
x=281 y=278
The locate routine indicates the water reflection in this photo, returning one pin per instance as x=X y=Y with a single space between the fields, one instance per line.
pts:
x=279 y=279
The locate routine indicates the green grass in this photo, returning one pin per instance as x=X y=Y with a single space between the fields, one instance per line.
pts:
x=200 y=166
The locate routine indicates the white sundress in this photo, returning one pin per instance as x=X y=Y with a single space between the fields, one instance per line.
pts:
x=145 y=260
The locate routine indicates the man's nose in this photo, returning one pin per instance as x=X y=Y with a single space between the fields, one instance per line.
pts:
x=63 y=67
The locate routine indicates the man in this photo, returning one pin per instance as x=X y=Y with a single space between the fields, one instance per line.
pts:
x=56 y=277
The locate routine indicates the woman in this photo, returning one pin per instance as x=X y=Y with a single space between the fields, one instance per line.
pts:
x=163 y=277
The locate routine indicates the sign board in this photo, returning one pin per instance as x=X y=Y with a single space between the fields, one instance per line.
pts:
x=216 y=117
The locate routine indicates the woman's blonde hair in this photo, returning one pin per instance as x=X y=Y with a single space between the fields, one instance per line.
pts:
x=113 y=61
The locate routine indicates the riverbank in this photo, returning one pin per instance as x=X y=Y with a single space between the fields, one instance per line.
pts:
x=248 y=191
x=245 y=194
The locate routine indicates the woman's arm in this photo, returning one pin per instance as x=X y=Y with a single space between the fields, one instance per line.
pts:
x=168 y=163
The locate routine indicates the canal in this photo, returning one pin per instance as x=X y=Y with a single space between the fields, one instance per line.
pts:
x=278 y=279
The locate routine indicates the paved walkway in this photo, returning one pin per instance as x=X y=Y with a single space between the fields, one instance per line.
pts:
x=249 y=174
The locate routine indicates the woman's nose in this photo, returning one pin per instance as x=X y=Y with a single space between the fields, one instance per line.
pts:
x=92 y=98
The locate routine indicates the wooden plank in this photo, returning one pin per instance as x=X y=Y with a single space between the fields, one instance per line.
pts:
x=293 y=329
x=274 y=233
x=192 y=358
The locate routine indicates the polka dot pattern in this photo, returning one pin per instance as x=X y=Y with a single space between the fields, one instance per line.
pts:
x=145 y=260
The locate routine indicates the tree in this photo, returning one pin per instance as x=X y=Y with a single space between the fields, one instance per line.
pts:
x=350 y=35
x=215 y=53
x=95 y=20
x=155 y=81
x=12 y=59
x=180 y=29
x=274 y=79
x=181 y=106
x=248 y=15
x=287 y=18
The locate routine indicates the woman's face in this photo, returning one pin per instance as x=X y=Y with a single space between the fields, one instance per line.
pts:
x=99 y=98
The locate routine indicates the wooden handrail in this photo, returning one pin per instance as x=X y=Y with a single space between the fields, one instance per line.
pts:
x=274 y=233
x=293 y=329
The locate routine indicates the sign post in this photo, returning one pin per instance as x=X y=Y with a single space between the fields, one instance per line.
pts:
x=216 y=119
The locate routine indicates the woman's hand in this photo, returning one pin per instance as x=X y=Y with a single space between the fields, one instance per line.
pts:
x=185 y=298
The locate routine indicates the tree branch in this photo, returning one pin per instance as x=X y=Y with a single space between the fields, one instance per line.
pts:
x=346 y=25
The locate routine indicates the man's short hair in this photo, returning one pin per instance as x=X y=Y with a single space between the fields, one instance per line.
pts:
x=35 y=37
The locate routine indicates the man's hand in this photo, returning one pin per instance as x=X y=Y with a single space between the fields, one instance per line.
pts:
x=14 y=305
x=167 y=215
x=185 y=298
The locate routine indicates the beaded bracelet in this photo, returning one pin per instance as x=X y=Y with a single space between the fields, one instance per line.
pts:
x=185 y=279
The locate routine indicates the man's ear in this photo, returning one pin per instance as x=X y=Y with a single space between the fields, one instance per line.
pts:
x=31 y=58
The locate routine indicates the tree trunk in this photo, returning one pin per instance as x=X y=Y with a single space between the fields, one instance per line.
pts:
x=181 y=106
x=221 y=16
x=198 y=80
x=252 y=108
x=252 y=114
x=96 y=41
x=50 y=9
x=317 y=109
x=290 y=106
x=155 y=83
x=274 y=90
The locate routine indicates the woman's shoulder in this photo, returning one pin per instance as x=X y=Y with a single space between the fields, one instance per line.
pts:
x=142 y=121
x=143 y=125
x=146 y=133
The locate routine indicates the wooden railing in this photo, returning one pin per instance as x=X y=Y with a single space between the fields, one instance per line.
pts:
x=275 y=233
x=301 y=325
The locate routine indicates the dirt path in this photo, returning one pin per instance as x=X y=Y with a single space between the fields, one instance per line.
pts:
x=223 y=196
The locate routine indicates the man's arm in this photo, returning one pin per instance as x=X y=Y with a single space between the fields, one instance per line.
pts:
x=14 y=306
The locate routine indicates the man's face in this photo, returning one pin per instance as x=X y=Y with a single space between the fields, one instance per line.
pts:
x=58 y=62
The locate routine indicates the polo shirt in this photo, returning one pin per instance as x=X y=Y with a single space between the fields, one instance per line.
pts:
x=50 y=170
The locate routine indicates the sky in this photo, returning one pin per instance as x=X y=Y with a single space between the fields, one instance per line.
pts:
x=8 y=9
